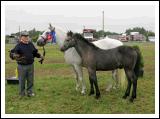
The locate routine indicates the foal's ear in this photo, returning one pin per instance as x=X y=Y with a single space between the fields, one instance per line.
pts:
x=70 y=33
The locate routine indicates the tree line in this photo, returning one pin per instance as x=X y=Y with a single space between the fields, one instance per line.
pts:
x=34 y=34
x=141 y=30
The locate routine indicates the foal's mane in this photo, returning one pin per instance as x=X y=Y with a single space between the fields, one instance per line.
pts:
x=80 y=37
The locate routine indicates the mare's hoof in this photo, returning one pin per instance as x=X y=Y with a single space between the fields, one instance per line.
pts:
x=124 y=97
x=83 y=92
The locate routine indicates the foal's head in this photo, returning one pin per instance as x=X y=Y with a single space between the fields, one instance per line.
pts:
x=69 y=42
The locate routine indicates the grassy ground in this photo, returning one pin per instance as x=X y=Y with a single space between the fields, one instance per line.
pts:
x=56 y=94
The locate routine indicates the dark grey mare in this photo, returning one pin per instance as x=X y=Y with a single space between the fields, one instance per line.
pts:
x=96 y=59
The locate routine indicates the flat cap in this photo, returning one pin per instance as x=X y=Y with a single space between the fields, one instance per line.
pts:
x=24 y=33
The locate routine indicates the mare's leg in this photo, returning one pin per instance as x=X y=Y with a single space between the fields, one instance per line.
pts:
x=115 y=78
x=76 y=77
x=114 y=83
x=79 y=71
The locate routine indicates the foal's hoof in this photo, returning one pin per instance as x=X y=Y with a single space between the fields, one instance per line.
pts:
x=91 y=93
x=97 y=96
x=131 y=99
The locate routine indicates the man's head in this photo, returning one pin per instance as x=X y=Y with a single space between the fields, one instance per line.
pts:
x=24 y=37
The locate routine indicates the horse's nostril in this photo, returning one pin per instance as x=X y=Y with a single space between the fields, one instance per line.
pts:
x=38 y=43
x=62 y=49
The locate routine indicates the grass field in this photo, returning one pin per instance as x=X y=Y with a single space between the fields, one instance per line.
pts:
x=56 y=94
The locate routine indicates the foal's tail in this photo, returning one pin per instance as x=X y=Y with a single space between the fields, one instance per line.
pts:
x=138 y=69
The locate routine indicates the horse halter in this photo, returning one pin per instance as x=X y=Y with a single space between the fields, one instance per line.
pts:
x=45 y=39
x=49 y=36
x=44 y=52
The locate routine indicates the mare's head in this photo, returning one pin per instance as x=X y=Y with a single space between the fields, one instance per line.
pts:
x=47 y=36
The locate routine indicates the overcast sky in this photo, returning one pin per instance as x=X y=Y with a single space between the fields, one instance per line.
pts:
x=117 y=17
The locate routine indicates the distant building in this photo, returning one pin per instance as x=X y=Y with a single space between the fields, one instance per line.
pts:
x=114 y=36
x=151 y=38
x=13 y=39
x=88 y=34
x=122 y=37
x=134 y=36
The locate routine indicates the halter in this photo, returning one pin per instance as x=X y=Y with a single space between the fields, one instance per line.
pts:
x=44 y=52
x=45 y=39
x=49 y=36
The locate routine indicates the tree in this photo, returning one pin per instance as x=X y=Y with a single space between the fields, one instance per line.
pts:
x=34 y=34
x=7 y=39
x=150 y=33
x=34 y=38
x=100 y=33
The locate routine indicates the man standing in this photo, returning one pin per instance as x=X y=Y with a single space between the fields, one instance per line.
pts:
x=24 y=53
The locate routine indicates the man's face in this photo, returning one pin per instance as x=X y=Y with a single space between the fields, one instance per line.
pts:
x=24 y=39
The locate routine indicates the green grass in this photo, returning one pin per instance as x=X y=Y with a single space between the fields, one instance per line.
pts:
x=56 y=94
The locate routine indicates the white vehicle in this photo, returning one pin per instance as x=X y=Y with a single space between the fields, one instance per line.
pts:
x=88 y=34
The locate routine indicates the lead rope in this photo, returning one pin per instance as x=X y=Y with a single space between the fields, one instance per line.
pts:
x=44 y=53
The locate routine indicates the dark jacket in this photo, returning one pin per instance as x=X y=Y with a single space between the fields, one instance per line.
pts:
x=26 y=51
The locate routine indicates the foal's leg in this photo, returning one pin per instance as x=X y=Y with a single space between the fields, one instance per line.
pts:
x=129 y=78
x=134 y=87
x=93 y=80
x=79 y=71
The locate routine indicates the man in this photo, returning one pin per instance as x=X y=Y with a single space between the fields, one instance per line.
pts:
x=24 y=53
x=52 y=33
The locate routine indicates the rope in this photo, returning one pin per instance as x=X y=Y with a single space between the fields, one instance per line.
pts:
x=44 y=53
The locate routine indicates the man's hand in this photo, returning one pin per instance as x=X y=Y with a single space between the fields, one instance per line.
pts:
x=16 y=56
x=41 y=60
x=42 y=57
